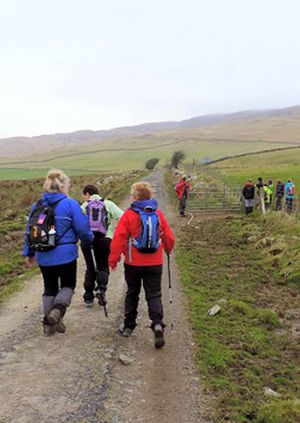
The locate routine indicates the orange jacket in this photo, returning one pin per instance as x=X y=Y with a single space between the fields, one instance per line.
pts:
x=129 y=226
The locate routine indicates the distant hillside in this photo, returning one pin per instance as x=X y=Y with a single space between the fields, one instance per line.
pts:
x=241 y=124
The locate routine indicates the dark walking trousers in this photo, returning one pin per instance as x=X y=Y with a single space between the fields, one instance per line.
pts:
x=97 y=252
x=150 y=276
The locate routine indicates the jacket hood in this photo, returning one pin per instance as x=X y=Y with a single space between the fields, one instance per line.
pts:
x=145 y=203
x=53 y=197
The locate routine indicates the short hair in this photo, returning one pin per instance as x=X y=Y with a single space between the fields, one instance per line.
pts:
x=56 y=181
x=90 y=189
x=141 y=190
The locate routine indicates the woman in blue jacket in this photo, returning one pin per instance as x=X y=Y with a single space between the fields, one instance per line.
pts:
x=59 y=265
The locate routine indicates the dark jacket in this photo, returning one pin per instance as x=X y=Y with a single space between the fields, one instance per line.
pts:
x=280 y=190
x=249 y=191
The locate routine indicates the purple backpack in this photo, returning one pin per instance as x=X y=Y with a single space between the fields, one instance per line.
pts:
x=97 y=214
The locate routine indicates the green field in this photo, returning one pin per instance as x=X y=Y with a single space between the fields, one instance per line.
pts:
x=275 y=165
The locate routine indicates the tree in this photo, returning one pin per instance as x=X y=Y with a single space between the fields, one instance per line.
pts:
x=177 y=158
x=151 y=163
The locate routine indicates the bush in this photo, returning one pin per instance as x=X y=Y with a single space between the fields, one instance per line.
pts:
x=151 y=163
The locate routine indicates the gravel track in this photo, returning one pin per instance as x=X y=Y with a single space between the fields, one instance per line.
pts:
x=78 y=377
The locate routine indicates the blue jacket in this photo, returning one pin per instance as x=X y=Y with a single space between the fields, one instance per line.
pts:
x=287 y=189
x=71 y=222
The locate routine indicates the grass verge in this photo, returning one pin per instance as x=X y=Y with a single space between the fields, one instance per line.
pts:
x=247 y=354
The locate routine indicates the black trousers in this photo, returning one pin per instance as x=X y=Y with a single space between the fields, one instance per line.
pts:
x=182 y=205
x=150 y=276
x=97 y=254
x=58 y=277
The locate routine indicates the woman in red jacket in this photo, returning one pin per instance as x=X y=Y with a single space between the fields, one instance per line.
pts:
x=140 y=266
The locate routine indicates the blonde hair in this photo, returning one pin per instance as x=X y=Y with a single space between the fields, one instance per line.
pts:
x=141 y=191
x=56 y=181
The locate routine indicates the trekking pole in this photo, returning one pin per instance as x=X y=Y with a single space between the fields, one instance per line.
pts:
x=170 y=291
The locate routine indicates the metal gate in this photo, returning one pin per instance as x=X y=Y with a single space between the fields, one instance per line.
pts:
x=213 y=199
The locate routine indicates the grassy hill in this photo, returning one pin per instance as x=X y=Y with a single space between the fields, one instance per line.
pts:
x=213 y=136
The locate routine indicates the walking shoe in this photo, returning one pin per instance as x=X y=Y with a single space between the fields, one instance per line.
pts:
x=89 y=303
x=127 y=332
x=159 y=341
x=60 y=327
x=101 y=298
x=54 y=316
x=48 y=330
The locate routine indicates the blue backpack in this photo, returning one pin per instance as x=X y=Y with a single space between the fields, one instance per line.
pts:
x=149 y=239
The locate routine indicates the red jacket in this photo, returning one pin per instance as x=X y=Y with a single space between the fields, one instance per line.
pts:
x=181 y=188
x=129 y=226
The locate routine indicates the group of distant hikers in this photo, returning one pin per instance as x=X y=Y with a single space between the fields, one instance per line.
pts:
x=268 y=195
x=55 y=224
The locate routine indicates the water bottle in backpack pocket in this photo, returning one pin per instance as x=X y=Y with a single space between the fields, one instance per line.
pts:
x=41 y=227
x=97 y=214
x=149 y=239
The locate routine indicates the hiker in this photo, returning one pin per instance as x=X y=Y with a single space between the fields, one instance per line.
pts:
x=248 y=194
x=289 y=190
x=182 y=190
x=279 y=194
x=142 y=267
x=271 y=188
x=267 y=193
x=56 y=253
x=101 y=212
x=259 y=189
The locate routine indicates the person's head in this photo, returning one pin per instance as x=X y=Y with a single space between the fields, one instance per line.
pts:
x=57 y=181
x=141 y=191
x=250 y=181
x=89 y=190
x=270 y=181
x=259 y=179
x=278 y=181
x=184 y=177
x=289 y=180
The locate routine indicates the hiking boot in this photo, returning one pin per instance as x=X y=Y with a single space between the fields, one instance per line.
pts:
x=89 y=303
x=125 y=331
x=101 y=298
x=159 y=341
x=54 y=316
x=60 y=327
x=48 y=330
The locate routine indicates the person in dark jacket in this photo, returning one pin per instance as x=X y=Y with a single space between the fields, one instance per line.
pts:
x=59 y=265
x=140 y=267
x=248 y=194
x=279 y=194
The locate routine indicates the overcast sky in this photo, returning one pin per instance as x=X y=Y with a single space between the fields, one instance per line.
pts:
x=67 y=65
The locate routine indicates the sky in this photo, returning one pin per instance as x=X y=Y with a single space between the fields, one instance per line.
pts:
x=67 y=65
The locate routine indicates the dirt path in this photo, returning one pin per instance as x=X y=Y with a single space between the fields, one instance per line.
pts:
x=77 y=377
